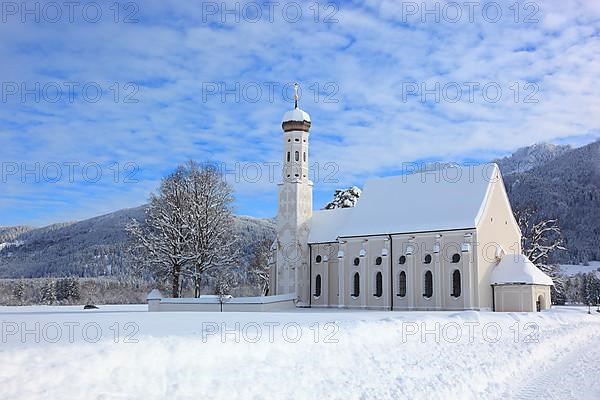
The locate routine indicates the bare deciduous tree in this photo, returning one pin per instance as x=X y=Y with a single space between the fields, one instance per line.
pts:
x=225 y=281
x=162 y=242
x=188 y=228
x=260 y=266
x=542 y=237
x=210 y=217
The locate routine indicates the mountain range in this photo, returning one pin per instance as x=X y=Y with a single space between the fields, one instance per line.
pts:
x=559 y=181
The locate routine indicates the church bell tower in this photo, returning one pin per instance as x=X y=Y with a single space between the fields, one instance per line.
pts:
x=295 y=208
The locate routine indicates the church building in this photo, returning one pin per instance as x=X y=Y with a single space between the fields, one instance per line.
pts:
x=443 y=239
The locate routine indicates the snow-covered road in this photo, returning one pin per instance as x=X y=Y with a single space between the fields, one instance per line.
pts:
x=124 y=352
x=573 y=375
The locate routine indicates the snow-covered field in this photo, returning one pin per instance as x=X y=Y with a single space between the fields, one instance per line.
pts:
x=124 y=352
x=573 y=269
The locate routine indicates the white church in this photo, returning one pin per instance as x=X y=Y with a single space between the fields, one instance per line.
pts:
x=436 y=240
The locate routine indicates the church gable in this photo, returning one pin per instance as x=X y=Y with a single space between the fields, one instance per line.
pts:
x=497 y=206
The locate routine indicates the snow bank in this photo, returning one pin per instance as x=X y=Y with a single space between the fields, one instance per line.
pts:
x=303 y=354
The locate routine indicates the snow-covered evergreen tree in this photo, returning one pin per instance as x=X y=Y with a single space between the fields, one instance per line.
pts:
x=18 y=291
x=48 y=292
x=344 y=198
x=590 y=288
x=73 y=290
x=67 y=289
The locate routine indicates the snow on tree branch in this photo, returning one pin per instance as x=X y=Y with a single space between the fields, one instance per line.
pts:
x=344 y=198
x=540 y=239
x=188 y=228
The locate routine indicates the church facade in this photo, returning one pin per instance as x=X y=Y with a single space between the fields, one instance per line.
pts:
x=444 y=239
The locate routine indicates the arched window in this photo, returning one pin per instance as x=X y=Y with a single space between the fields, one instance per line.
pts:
x=378 y=261
x=297 y=156
x=318 y=259
x=456 y=283
x=455 y=258
x=428 y=284
x=318 y=286
x=304 y=156
x=402 y=284
x=356 y=286
x=402 y=260
x=427 y=259
x=356 y=261
x=378 y=284
x=288 y=156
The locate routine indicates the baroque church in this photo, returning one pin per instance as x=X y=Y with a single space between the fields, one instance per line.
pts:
x=443 y=239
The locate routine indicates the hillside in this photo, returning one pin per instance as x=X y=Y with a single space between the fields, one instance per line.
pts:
x=526 y=158
x=93 y=247
x=565 y=186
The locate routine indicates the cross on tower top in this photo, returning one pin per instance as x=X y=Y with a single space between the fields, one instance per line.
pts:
x=296 y=97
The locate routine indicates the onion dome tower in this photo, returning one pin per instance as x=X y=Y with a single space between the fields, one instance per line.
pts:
x=295 y=207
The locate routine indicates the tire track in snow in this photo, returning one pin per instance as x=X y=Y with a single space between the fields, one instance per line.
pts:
x=571 y=376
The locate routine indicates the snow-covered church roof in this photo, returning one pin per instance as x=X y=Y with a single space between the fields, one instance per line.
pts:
x=516 y=268
x=452 y=198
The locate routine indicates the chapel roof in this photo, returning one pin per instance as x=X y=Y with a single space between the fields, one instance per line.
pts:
x=515 y=269
x=444 y=199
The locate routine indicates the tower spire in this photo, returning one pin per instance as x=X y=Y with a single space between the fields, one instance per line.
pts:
x=296 y=97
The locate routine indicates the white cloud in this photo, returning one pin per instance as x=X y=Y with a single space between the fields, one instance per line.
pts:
x=369 y=56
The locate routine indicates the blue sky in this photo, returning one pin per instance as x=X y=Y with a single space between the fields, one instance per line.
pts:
x=98 y=105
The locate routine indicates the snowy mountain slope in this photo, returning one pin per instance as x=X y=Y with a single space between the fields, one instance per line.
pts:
x=306 y=354
x=96 y=246
x=10 y=233
x=566 y=187
x=530 y=157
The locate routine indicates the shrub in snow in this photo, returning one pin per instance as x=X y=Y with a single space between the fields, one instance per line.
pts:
x=344 y=198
